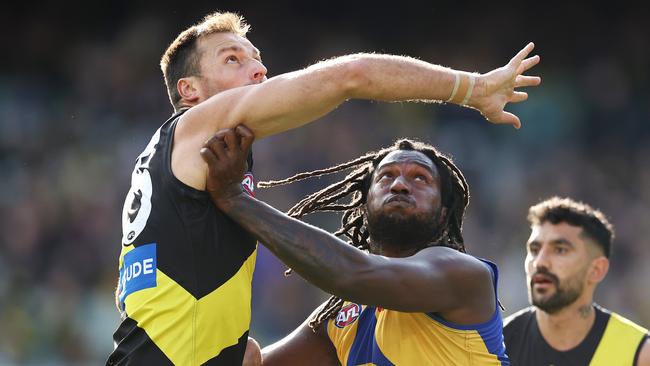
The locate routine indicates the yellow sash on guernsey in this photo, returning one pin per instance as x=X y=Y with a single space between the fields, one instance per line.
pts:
x=174 y=319
x=619 y=342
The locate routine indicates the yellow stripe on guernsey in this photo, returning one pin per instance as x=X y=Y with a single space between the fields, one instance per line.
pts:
x=619 y=342
x=191 y=331
x=386 y=337
x=341 y=335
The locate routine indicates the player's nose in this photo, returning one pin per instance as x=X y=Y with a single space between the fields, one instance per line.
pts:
x=400 y=185
x=258 y=71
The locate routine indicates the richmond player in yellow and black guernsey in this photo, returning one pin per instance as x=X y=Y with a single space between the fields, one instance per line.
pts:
x=612 y=340
x=567 y=257
x=185 y=269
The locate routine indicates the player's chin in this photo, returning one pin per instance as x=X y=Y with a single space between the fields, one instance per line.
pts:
x=542 y=295
x=399 y=214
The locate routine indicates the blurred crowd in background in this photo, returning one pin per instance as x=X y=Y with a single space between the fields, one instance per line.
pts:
x=81 y=94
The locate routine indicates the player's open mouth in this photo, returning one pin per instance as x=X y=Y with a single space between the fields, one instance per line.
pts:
x=542 y=281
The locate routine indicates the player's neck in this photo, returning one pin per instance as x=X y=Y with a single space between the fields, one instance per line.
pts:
x=392 y=251
x=568 y=327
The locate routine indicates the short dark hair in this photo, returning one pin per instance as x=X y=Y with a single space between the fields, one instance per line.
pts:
x=182 y=59
x=593 y=222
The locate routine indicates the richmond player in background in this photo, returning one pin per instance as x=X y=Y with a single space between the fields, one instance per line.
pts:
x=568 y=256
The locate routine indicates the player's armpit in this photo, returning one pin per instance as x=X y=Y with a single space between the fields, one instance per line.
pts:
x=253 y=354
x=302 y=347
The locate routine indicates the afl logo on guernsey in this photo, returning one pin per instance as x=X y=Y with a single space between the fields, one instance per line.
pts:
x=347 y=315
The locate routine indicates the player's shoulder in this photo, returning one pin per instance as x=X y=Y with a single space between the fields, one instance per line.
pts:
x=620 y=319
x=453 y=261
x=446 y=254
x=519 y=318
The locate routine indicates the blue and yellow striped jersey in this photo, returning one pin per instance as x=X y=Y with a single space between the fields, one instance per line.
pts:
x=366 y=335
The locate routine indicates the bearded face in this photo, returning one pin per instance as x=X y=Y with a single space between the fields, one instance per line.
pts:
x=403 y=230
x=557 y=265
x=549 y=293
x=404 y=202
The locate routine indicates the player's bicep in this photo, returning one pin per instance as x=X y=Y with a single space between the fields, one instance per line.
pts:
x=435 y=279
x=302 y=347
x=279 y=104
x=408 y=285
x=289 y=100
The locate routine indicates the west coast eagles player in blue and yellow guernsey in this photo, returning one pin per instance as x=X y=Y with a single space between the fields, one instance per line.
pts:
x=413 y=297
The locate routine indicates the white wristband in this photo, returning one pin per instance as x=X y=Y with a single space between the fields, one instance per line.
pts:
x=472 y=80
x=455 y=90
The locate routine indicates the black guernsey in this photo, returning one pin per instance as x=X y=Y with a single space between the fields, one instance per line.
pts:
x=612 y=341
x=185 y=269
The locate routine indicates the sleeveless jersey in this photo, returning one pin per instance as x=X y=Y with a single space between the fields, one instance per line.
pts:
x=612 y=341
x=366 y=335
x=185 y=269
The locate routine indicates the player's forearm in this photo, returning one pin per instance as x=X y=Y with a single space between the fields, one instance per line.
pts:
x=400 y=78
x=318 y=256
x=380 y=77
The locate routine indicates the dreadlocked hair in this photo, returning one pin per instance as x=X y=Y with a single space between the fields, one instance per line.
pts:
x=454 y=192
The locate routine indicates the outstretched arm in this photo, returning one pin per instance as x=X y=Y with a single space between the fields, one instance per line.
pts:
x=435 y=279
x=290 y=100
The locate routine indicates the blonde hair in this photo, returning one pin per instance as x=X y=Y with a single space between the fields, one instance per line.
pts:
x=182 y=57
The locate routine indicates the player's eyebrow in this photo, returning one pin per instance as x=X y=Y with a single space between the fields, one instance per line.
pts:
x=562 y=241
x=234 y=48
x=237 y=48
x=554 y=242
x=421 y=164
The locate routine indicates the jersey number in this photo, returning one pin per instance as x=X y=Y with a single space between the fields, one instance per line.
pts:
x=137 y=206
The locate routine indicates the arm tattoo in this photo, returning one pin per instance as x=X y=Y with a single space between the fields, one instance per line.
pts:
x=315 y=254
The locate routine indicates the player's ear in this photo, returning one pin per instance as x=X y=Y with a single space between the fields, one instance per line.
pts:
x=188 y=90
x=599 y=269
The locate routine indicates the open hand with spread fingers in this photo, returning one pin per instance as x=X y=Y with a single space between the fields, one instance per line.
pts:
x=493 y=90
